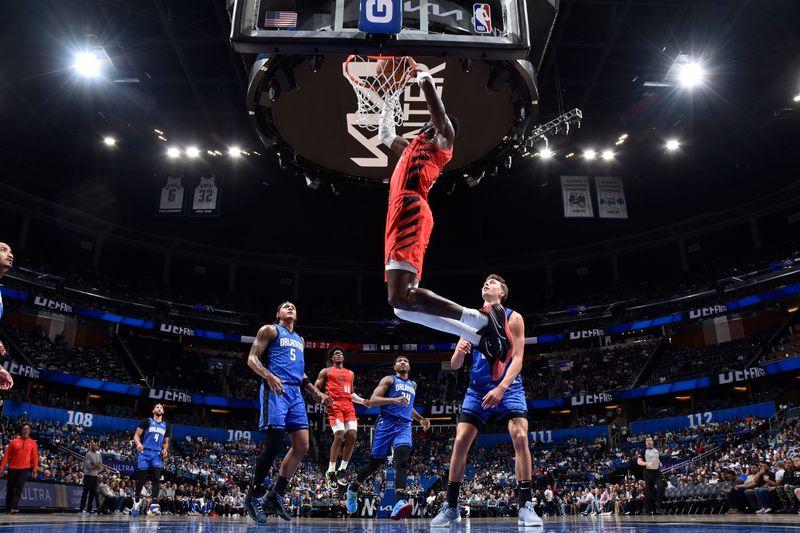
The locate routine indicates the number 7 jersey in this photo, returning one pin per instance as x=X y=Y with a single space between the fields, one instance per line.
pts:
x=284 y=357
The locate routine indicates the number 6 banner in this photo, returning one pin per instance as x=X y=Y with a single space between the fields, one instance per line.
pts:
x=381 y=16
x=171 y=202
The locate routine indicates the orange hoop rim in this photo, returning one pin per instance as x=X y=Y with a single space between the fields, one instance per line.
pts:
x=412 y=65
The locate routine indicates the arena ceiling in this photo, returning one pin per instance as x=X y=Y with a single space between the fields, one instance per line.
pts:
x=170 y=68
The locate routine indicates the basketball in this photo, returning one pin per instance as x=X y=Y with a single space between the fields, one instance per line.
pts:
x=392 y=71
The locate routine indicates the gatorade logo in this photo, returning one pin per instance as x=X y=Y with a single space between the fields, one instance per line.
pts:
x=379 y=11
x=380 y=16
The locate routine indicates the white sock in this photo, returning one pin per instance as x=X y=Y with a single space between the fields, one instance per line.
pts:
x=474 y=319
x=448 y=325
x=332 y=466
x=343 y=465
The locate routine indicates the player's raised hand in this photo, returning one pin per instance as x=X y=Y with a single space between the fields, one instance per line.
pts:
x=275 y=384
x=402 y=400
x=6 y=381
x=425 y=423
x=2 y=349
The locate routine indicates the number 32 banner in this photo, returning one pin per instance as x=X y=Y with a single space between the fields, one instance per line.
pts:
x=205 y=201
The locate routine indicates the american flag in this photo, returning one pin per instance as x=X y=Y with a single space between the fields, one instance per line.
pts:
x=280 y=19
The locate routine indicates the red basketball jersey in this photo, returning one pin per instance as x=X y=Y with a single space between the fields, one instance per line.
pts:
x=418 y=167
x=339 y=384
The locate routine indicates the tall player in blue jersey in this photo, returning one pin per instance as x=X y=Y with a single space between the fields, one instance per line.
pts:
x=489 y=399
x=6 y=263
x=283 y=410
x=395 y=396
x=152 y=444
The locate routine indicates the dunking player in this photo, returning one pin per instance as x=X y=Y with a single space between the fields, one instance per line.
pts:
x=6 y=263
x=282 y=408
x=488 y=399
x=152 y=444
x=409 y=222
x=338 y=384
x=395 y=396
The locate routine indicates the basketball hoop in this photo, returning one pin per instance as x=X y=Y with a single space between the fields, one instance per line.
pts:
x=378 y=82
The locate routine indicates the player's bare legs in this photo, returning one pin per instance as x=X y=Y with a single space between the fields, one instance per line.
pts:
x=336 y=446
x=297 y=451
x=349 y=444
x=405 y=295
x=465 y=436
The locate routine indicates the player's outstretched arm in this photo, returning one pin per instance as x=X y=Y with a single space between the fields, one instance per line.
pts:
x=379 y=398
x=435 y=105
x=387 y=134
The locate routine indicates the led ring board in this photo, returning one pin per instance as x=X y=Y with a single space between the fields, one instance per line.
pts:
x=484 y=57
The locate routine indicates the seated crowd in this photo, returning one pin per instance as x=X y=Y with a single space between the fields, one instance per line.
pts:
x=571 y=477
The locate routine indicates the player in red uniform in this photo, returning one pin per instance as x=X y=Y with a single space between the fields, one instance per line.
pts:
x=338 y=383
x=409 y=222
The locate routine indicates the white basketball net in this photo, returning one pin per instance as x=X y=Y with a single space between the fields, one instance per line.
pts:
x=376 y=89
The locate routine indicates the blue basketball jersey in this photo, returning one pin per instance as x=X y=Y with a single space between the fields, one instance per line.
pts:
x=400 y=388
x=480 y=372
x=285 y=356
x=154 y=433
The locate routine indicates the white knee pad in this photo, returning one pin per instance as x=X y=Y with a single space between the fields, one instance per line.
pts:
x=337 y=426
x=351 y=424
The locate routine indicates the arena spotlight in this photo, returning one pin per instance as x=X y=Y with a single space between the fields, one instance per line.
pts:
x=546 y=153
x=192 y=152
x=672 y=145
x=691 y=74
x=173 y=152
x=87 y=64
x=589 y=155
x=109 y=141
x=234 y=151
x=607 y=155
x=796 y=98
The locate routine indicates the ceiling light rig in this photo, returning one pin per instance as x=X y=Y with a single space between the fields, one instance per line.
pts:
x=87 y=64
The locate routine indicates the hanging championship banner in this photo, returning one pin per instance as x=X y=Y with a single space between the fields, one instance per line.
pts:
x=206 y=197
x=577 y=197
x=611 y=197
x=171 y=202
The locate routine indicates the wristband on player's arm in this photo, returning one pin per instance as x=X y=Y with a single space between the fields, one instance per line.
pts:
x=422 y=76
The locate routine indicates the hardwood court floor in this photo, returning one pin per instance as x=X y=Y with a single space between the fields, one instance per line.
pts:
x=72 y=523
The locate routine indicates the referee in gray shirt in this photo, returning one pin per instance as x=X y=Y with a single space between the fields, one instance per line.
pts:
x=650 y=460
x=92 y=464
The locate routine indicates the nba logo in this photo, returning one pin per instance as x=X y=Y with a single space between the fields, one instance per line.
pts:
x=482 y=18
